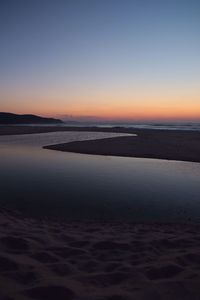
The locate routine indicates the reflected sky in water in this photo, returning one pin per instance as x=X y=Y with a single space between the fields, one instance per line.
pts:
x=76 y=186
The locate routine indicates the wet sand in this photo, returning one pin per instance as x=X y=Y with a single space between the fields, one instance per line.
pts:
x=171 y=145
x=46 y=259
x=16 y=130
x=162 y=144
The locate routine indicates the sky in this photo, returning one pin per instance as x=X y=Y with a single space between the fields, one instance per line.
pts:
x=103 y=59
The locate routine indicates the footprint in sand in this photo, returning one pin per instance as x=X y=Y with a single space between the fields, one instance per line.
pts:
x=116 y=297
x=14 y=244
x=50 y=293
x=61 y=269
x=23 y=277
x=66 y=252
x=6 y=264
x=106 y=280
x=109 y=245
x=44 y=257
x=163 y=272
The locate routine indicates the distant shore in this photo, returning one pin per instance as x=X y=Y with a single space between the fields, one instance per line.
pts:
x=160 y=144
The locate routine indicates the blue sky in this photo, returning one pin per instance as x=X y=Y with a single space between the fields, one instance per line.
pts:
x=72 y=57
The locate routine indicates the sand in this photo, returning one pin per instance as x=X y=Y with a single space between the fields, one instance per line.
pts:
x=16 y=130
x=161 y=144
x=158 y=144
x=46 y=259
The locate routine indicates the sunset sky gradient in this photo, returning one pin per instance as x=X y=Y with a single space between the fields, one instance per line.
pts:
x=110 y=59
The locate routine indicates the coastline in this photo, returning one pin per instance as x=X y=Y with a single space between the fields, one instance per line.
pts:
x=55 y=259
x=149 y=143
x=156 y=144
x=51 y=259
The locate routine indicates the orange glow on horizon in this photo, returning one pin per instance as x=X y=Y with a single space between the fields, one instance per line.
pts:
x=138 y=104
x=118 y=112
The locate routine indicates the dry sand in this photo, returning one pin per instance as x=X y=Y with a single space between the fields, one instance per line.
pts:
x=95 y=261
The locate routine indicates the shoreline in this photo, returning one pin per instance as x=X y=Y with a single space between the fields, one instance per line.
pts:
x=126 y=147
x=149 y=143
x=44 y=258
x=34 y=129
x=155 y=144
x=109 y=261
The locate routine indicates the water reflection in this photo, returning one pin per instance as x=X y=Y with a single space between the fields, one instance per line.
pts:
x=44 y=182
x=50 y=138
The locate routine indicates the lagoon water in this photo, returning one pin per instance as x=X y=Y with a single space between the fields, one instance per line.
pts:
x=50 y=183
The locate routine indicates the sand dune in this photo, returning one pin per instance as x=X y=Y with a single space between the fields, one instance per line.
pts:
x=58 y=260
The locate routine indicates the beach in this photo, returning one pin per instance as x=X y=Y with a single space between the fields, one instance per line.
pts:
x=161 y=144
x=100 y=150
x=53 y=258
x=46 y=259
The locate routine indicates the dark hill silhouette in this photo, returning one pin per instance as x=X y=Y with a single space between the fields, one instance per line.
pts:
x=10 y=118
